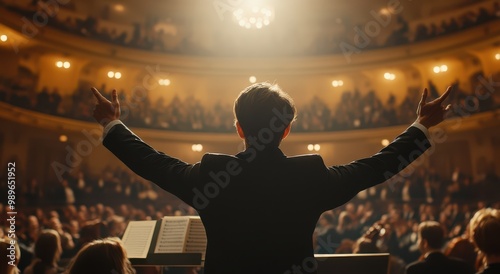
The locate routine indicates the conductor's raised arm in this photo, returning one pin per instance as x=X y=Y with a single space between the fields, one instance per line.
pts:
x=169 y=173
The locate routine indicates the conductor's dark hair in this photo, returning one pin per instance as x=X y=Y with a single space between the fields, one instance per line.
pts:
x=263 y=111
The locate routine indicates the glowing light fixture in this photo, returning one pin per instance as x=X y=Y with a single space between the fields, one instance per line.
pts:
x=252 y=79
x=337 y=83
x=385 y=142
x=65 y=64
x=497 y=56
x=197 y=147
x=164 y=82
x=389 y=76
x=438 y=69
x=113 y=74
x=313 y=147
x=3 y=38
x=63 y=138
x=251 y=15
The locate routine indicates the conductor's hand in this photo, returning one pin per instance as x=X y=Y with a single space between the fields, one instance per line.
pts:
x=106 y=111
x=432 y=113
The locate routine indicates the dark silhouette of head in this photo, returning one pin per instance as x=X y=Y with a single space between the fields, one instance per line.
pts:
x=431 y=236
x=101 y=257
x=264 y=114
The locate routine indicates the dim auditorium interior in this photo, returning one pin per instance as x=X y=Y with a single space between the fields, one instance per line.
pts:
x=355 y=69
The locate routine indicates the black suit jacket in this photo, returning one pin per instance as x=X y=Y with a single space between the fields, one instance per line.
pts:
x=260 y=207
x=438 y=263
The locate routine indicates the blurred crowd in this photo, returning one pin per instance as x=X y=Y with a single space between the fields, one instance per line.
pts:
x=353 y=111
x=176 y=35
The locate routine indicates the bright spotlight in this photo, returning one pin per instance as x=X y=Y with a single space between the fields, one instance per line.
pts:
x=252 y=79
x=3 y=38
x=111 y=74
x=118 y=75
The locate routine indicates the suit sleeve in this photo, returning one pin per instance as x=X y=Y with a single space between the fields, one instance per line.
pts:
x=171 y=174
x=344 y=182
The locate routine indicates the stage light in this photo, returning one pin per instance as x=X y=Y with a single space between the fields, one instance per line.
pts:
x=59 y=64
x=111 y=74
x=118 y=75
x=444 y=68
x=497 y=56
x=66 y=65
x=310 y=147
x=252 y=79
x=3 y=38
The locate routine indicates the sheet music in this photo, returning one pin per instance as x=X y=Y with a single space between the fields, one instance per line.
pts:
x=172 y=235
x=197 y=239
x=137 y=238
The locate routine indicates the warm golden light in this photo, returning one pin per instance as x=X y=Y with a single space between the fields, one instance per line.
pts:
x=118 y=75
x=313 y=147
x=164 y=82
x=59 y=64
x=119 y=8
x=389 y=76
x=497 y=56
x=252 y=79
x=66 y=65
x=63 y=138
x=385 y=142
x=337 y=83
x=251 y=15
x=197 y=147
x=111 y=74
x=3 y=38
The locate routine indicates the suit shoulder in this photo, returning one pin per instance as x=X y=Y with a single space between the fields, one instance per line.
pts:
x=413 y=267
x=218 y=160
x=311 y=158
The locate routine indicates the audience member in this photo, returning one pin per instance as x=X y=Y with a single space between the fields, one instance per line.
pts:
x=47 y=253
x=430 y=240
x=485 y=228
x=101 y=257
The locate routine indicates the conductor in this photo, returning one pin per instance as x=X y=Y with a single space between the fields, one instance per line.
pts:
x=260 y=207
